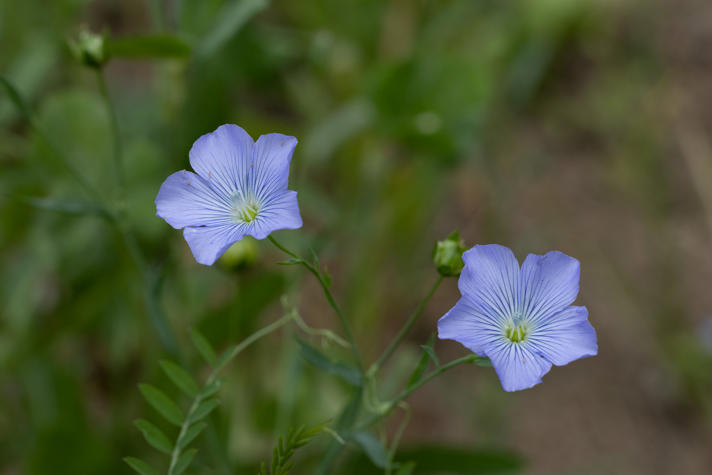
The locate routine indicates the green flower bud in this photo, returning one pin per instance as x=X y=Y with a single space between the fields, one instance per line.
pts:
x=447 y=255
x=240 y=255
x=89 y=48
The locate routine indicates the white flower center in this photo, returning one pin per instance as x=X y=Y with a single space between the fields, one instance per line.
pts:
x=516 y=329
x=245 y=208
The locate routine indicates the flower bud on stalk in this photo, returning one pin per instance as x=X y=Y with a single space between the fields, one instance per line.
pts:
x=447 y=255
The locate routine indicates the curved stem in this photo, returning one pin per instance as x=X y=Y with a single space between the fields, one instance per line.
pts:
x=117 y=152
x=329 y=297
x=404 y=395
x=406 y=328
x=224 y=360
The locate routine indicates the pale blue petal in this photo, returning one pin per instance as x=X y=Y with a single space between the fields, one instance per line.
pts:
x=490 y=277
x=223 y=157
x=565 y=336
x=208 y=243
x=470 y=325
x=186 y=199
x=517 y=366
x=280 y=212
x=547 y=284
x=272 y=156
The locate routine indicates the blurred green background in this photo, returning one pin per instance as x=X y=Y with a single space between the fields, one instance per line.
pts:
x=582 y=126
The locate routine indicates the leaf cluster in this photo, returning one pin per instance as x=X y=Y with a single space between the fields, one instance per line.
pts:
x=285 y=448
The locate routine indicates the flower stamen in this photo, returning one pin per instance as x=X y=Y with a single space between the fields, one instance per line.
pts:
x=516 y=330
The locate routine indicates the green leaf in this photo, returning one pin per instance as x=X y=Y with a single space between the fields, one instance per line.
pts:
x=180 y=377
x=232 y=17
x=140 y=466
x=439 y=459
x=406 y=469
x=148 y=46
x=211 y=389
x=16 y=97
x=205 y=408
x=63 y=206
x=162 y=404
x=154 y=436
x=373 y=448
x=348 y=373
x=431 y=354
x=422 y=365
x=327 y=277
x=203 y=347
x=291 y=262
x=183 y=461
x=191 y=434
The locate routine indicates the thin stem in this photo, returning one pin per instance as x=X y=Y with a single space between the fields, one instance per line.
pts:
x=406 y=393
x=329 y=297
x=227 y=358
x=117 y=150
x=397 y=437
x=406 y=328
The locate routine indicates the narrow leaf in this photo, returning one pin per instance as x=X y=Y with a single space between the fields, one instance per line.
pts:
x=184 y=460
x=232 y=17
x=211 y=389
x=140 y=466
x=373 y=448
x=162 y=403
x=203 y=347
x=406 y=469
x=191 y=434
x=15 y=97
x=422 y=365
x=205 y=408
x=180 y=377
x=154 y=436
x=348 y=373
x=64 y=206
x=148 y=46
x=291 y=262
x=431 y=354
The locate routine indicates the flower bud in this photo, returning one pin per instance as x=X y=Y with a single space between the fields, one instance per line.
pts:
x=241 y=255
x=89 y=48
x=447 y=255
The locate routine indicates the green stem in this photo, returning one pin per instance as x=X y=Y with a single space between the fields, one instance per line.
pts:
x=117 y=150
x=224 y=360
x=406 y=328
x=329 y=297
x=406 y=393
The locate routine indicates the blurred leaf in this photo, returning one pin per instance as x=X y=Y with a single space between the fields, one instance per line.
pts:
x=154 y=436
x=63 y=206
x=183 y=461
x=150 y=46
x=211 y=389
x=348 y=373
x=291 y=262
x=162 y=403
x=180 y=377
x=140 y=466
x=15 y=97
x=203 y=347
x=373 y=448
x=428 y=349
x=422 y=364
x=205 y=408
x=193 y=432
x=439 y=459
x=406 y=469
x=232 y=17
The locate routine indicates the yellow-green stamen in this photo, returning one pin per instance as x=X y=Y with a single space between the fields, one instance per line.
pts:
x=516 y=330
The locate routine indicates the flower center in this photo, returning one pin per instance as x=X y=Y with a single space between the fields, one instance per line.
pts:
x=245 y=211
x=516 y=329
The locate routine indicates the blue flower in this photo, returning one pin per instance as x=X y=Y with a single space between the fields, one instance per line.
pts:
x=522 y=319
x=240 y=189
